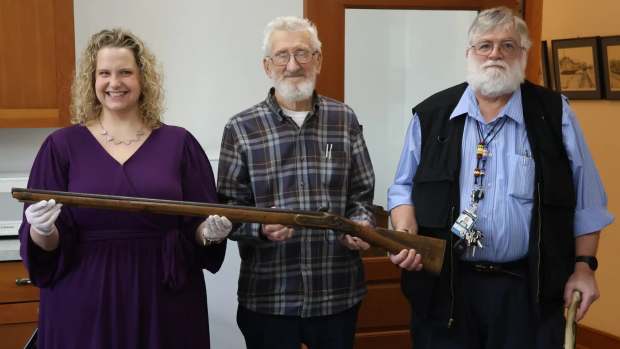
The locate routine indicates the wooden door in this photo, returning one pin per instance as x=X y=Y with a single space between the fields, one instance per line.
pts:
x=36 y=63
x=384 y=316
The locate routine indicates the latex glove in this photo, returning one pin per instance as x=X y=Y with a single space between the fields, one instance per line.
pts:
x=43 y=215
x=216 y=229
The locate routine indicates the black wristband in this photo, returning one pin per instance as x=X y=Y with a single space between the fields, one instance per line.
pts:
x=591 y=261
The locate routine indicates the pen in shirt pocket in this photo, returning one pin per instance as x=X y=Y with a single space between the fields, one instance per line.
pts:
x=328 y=151
x=527 y=157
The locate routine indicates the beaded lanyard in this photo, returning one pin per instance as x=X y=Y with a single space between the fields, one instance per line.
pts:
x=474 y=237
x=482 y=153
x=464 y=225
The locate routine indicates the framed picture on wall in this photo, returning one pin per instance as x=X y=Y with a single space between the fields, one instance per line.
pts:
x=610 y=52
x=545 y=71
x=576 y=68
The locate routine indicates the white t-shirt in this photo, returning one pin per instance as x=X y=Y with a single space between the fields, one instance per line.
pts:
x=297 y=116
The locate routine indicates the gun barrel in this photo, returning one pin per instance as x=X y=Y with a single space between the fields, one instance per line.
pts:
x=431 y=249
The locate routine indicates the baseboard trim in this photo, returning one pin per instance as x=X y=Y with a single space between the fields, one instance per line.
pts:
x=590 y=338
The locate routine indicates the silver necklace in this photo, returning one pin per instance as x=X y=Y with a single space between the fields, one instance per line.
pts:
x=111 y=139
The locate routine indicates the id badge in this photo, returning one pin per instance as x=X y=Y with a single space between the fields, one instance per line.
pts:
x=465 y=222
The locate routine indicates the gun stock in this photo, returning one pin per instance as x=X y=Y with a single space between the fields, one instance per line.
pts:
x=432 y=250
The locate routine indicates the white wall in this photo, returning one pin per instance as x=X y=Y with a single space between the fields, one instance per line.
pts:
x=405 y=65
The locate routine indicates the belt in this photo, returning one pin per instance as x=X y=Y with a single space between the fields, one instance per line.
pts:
x=515 y=268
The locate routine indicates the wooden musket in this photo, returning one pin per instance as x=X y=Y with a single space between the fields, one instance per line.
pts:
x=431 y=249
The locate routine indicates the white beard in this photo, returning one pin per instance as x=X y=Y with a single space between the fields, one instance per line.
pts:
x=292 y=92
x=495 y=82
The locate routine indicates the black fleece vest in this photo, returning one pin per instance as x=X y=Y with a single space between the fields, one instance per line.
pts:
x=436 y=197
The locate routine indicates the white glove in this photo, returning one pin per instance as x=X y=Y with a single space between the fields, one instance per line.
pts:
x=43 y=215
x=215 y=229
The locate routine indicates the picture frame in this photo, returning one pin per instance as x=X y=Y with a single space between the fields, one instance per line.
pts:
x=610 y=61
x=545 y=71
x=576 y=68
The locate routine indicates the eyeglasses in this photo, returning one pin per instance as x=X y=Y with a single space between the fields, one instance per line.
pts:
x=508 y=48
x=301 y=56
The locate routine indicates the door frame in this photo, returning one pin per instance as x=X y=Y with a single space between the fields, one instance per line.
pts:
x=329 y=17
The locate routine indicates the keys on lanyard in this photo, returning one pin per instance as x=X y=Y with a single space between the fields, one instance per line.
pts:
x=473 y=239
x=477 y=194
x=464 y=225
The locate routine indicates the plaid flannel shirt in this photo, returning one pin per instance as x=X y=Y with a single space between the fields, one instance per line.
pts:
x=266 y=160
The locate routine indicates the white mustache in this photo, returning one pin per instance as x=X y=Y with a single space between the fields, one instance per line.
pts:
x=501 y=64
x=294 y=75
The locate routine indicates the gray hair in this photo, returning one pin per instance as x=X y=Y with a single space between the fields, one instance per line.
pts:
x=290 y=24
x=499 y=18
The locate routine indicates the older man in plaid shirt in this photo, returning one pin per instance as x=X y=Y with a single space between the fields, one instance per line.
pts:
x=297 y=150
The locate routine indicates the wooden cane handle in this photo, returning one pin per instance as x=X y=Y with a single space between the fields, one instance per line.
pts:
x=571 y=330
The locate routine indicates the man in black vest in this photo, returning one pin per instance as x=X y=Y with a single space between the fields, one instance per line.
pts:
x=499 y=168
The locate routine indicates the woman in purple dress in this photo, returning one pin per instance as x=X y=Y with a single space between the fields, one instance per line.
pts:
x=112 y=279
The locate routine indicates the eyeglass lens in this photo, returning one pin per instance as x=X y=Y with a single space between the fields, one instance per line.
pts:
x=507 y=48
x=301 y=56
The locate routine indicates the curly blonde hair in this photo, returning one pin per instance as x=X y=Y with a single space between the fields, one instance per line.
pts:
x=84 y=103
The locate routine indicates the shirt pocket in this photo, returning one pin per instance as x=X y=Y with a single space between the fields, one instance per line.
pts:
x=521 y=179
x=335 y=170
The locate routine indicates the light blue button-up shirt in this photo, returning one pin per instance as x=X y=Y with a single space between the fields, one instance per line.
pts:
x=505 y=212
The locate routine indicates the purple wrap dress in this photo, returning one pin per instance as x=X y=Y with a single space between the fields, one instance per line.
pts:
x=123 y=279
